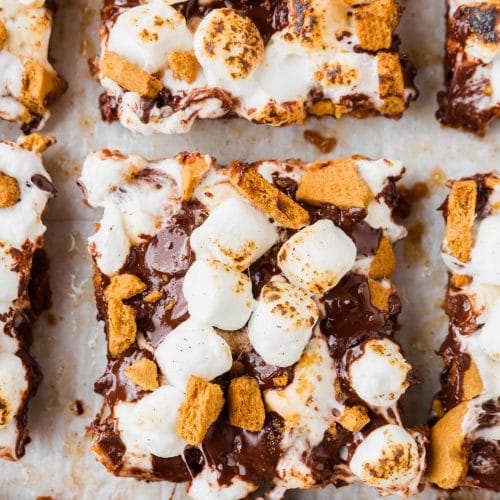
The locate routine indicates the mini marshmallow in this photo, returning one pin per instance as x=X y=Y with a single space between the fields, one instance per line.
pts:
x=380 y=374
x=485 y=255
x=193 y=349
x=148 y=426
x=317 y=257
x=387 y=458
x=282 y=323
x=489 y=337
x=217 y=295
x=235 y=233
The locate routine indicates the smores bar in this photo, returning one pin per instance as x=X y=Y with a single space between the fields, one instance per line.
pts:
x=472 y=66
x=163 y=64
x=25 y=188
x=249 y=314
x=28 y=82
x=466 y=438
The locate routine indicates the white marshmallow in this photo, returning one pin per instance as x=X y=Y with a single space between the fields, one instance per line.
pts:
x=485 y=255
x=13 y=384
x=282 y=323
x=206 y=486
x=193 y=349
x=489 y=337
x=317 y=257
x=380 y=374
x=217 y=295
x=387 y=458
x=235 y=233
x=149 y=426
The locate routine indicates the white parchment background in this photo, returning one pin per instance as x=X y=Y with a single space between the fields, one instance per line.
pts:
x=71 y=352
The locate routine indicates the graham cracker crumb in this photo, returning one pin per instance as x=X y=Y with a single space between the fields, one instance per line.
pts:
x=9 y=191
x=245 y=406
x=332 y=430
x=461 y=211
x=460 y=280
x=184 y=65
x=384 y=262
x=153 y=297
x=129 y=76
x=199 y=410
x=379 y=295
x=391 y=84
x=281 y=380
x=472 y=383
x=143 y=373
x=493 y=181
x=124 y=286
x=37 y=143
x=194 y=168
x=337 y=182
x=3 y=35
x=354 y=418
x=122 y=328
x=267 y=197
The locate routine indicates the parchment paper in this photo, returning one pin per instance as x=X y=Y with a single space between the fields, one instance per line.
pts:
x=69 y=343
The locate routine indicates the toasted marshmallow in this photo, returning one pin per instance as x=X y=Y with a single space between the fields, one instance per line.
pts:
x=217 y=295
x=13 y=384
x=489 y=337
x=235 y=233
x=380 y=374
x=193 y=349
x=282 y=323
x=145 y=34
x=485 y=255
x=387 y=458
x=148 y=426
x=317 y=257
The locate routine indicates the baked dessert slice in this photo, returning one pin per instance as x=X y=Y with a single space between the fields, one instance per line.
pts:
x=164 y=64
x=465 y=439
x=28 y=83
x=25 y=188
x=250 y=313
x=472 y=65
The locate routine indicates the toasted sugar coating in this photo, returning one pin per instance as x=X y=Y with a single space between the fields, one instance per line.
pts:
x=9 y=191
x=337 y=182
x=37 y=143
x=375 y=23
x=391 y=84
x=379 y=295
x=245 y=405
x=354 y=418
x=3 y=35
x=184 y=65
x=122 y=329
x=129 y=76
x=461 y=210
x=194 y=168
x=384 y=262
x=280 y=114
x=448 y=461
x=267 y=197
x=199 y=410
x=124 y=286
x=5 y=412
x=143 y=373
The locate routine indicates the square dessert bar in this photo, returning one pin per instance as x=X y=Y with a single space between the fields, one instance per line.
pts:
x=465 y=439
x=25 y=188
x=249 y=314
x=28 y=82
x=163 y=64
x=472 y=65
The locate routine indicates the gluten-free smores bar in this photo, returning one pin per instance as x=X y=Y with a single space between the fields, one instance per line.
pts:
x=165 y=64
x=466 y=437
x=249 y=314
x=25 y=188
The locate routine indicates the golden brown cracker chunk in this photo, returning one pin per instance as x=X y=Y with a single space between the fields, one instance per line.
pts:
x=461 y=211
x=492 y=181
x=10 y=193
x=375 y=23
x=460 y=280
x=280 y=114
x=337 y=182
x=267 y=197
x=379 y=295
x=448 y=461
x=153 y=297
x=472 y=383
x=199 y=410
x=354 y=418
x=3 y=35
x=391 y=84
x=245 y=405
x=122 y=328
x=384 y=262
x=129 y=76
x=184 y=65
x=124 y=286
x=143 y=373
x=37 y=143
x=194 y=168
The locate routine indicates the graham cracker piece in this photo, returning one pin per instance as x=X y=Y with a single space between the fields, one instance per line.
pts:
x=122 y=328
x=245 y=405
x=375 y=23
x=129 y=76
x=448 y=461
x=379 y=295
x=37 y=143
x=9 y=191
x=384 y=262
x=124 y=286
x=143 y=373
x=460 y=280
x=472 y=383
x=493 y=181
x=199 y=410
x=184 y=65
x=267 y=197
x=354 y=418
x=337 y=182
x=194 y=168
x=153 y=296
x=461 y=212
x=391 y=84
x=3 y=35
